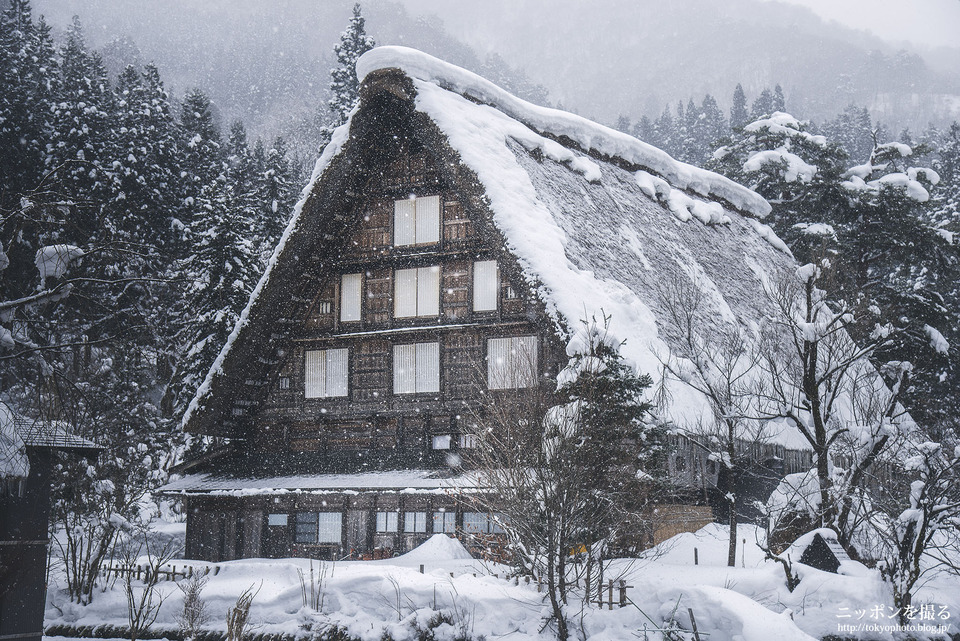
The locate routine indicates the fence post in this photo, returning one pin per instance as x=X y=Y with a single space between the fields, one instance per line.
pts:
x=610 y=594
x=623 y=593
x=421 y=568
x=696 y=557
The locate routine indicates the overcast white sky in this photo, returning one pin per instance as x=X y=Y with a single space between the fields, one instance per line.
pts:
x=922 y=22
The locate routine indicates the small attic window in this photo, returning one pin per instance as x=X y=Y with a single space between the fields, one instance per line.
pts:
x=511 y=293
x=416 y=221
x=284 y=382
x=324 y=307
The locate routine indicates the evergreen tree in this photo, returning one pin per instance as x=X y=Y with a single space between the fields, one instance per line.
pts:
x=663 y=130
x=200 y=144
x=277 y=198
x=852 y=130
x=738 y=112
x=763 y=105
x=28 y=76
x=623 y=124
x=645 y=130
x=344 y=84
x=779 y=101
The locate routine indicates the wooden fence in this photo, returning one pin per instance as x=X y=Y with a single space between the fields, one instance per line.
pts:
x=167 y=573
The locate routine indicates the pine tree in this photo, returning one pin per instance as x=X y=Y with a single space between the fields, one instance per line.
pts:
x=852 y=130
x=763 y=105
x=344 y=84
x=276 y=199
x=779 y=101
x=28 y=77
x=738 y=112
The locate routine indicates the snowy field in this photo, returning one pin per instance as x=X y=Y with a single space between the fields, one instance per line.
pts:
x=749 y=602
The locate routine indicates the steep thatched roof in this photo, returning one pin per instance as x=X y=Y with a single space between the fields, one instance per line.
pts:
x=598 y=222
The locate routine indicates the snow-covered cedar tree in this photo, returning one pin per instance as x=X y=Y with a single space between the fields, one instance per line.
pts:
x=895 y=263
x=891 y=263
x=569 y=466
x=797 y=171
x=722 y=364
x=344 y=84
x=823 y=384
x=922 y=539
x=738 y=112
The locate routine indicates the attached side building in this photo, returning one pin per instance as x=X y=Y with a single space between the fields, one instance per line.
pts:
x=446 y=249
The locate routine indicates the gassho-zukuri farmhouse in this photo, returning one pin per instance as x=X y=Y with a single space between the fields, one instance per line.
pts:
x=450 y=242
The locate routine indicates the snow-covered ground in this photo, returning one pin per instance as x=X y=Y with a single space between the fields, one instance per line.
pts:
x=748 y=602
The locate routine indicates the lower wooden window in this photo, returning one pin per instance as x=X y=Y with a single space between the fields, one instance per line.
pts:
x=386 y=521
x=445 y=522
x=414 y=522
x=512 y=362
x=326 y=373
x=416 y=368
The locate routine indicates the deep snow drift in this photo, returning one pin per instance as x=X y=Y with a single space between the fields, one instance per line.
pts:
x=749 y=602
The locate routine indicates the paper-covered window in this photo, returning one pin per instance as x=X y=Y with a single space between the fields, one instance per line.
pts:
x=416 y=368
x=486 y=284
x=386 y=521
x=445 y=522
x=414 y=522
x=350 y=296
x=416 y=292
x=330 y=528
x=416 y=221
x=512 y=362
x=325 y=373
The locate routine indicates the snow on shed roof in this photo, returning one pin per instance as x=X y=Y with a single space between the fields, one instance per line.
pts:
x=597 y=223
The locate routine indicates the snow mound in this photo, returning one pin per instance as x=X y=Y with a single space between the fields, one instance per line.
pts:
x=725 y=615
x=585 y=133
x=438 y=547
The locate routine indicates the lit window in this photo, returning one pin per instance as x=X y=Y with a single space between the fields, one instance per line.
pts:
x=416 y=221
x=441 y=442
x=325 y=373
x=414 y=522
x=416 y=292
x=276 y=519
x=330 y=528
x=386 y=521
x=468 y=441
x=486 y=282
x=350 y=289
x=445 y=522
x=416 y=368
x=476 y=523
x=512 y=362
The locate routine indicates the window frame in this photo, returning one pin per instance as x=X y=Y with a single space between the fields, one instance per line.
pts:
x=446 y=519
x=418 y=524
x=416 y=233
x=421 y=384
x=391 y=522
x=507 y=375
x=486 y=286
x=356 y=297
x=323 y=374
x=423 y=302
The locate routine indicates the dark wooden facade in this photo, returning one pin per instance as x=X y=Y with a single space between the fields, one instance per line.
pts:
x=280 y=429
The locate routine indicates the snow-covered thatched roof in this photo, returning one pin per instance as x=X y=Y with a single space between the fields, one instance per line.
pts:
x=597 y=220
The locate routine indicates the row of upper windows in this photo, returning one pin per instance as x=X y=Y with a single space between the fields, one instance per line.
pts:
x=416 y=291
x=512 y=362
x=327 y=527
